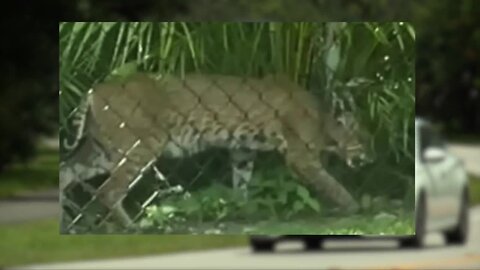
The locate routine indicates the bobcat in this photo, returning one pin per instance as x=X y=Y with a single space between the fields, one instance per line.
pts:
x=132 y=122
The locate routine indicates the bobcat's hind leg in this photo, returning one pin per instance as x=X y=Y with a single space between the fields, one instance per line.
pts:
x=242 y=169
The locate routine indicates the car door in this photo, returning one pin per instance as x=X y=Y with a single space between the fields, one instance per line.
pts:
x=437 y=172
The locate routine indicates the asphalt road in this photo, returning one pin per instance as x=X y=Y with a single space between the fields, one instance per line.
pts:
x=29 y=206
x=337 y=255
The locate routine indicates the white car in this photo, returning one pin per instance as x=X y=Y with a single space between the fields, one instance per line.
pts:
x=441 y=189
x=441 y=196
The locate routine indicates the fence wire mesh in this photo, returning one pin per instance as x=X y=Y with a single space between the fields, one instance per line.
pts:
x=218 y=123
x=134 y=148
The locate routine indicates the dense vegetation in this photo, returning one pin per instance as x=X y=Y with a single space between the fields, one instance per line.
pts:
x=28 y=94
x=365 y=68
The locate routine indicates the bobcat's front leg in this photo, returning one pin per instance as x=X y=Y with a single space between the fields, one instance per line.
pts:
x=115 y=189
x=325 y=185
x=306 y=164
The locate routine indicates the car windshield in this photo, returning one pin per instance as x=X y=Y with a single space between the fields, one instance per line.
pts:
x=416 y=145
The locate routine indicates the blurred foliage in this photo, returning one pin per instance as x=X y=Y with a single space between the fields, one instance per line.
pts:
x=448 y=64
x=447 y=53
x=244 y=10
x=39 y=173
x=28 y=90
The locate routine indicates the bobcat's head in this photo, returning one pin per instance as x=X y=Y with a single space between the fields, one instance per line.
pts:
x=350 y=140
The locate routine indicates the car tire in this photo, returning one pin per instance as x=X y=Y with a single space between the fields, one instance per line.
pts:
x=459 y=234
x=417 y=241
x=262 y=245
x=312 y=243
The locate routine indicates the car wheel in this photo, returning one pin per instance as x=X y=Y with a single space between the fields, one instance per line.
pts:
x=459 y=234
x=417 y=240
x=312 y=243
x=262 y=244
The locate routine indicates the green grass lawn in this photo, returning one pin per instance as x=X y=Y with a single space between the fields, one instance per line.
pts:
x=474 y=190
x=40 y=173
x=40 y=242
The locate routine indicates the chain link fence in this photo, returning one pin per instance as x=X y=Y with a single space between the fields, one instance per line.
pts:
x=135 y=143
x=178 y=145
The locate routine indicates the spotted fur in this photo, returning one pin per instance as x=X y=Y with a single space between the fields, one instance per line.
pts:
x=140 y=119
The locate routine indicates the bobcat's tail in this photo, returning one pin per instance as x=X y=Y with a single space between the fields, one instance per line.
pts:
x=79 y=121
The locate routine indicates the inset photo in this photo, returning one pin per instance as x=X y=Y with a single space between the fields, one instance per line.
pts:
x=261 y=128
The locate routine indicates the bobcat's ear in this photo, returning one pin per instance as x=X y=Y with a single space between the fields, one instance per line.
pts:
x=278 y=77
x=123 y=71
x=282 y=80
x=133 y=81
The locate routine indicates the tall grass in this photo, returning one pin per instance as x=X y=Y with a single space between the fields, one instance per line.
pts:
x=367 y=68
